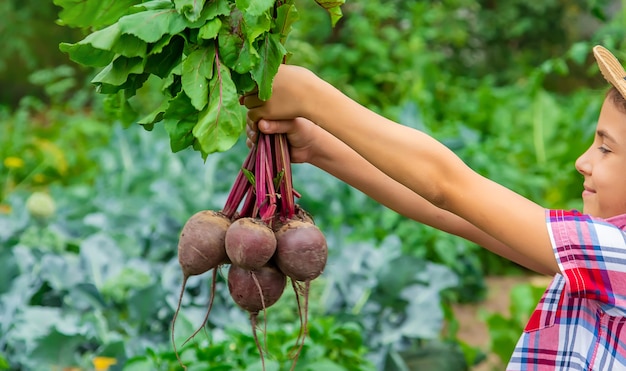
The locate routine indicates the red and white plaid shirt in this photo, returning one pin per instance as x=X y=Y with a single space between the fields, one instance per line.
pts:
x=580 y=322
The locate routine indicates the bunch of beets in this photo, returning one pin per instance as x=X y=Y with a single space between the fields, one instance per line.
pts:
x=262 y=234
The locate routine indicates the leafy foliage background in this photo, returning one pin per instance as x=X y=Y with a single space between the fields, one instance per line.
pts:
x=511 y=87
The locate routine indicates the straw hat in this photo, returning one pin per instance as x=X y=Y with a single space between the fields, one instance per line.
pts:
x=611 y=69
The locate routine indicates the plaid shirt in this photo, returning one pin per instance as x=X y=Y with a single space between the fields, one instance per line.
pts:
x=580 y=322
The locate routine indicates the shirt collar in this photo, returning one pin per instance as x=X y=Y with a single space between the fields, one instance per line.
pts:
x=618 y=221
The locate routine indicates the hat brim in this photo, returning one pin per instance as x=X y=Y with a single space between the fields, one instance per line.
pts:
x=611 y=68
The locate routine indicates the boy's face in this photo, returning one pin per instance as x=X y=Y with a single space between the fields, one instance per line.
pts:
x=604 y=165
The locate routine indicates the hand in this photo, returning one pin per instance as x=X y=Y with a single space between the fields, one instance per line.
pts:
x=300 y=134
x=291 y=91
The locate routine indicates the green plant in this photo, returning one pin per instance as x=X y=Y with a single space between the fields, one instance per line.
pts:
x=331 y=346
x=206 y=55
x=505 y=331
x=43 y=145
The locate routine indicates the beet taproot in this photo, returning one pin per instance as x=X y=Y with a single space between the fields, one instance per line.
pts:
x=255 y=290
x=201 y=243
x=200 y=249
x=249 y=243
x=301 y=250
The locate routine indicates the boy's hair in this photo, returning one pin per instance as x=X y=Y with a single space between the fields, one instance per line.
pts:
x=616 y=97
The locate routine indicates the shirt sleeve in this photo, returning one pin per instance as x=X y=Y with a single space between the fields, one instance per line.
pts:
x=591 y=254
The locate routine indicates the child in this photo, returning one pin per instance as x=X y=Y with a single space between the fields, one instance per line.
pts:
x=580 y=323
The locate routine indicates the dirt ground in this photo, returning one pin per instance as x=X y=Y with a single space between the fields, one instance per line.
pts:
x=474 y=331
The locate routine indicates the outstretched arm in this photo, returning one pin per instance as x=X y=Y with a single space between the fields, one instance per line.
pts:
x=416 y=161
x=314 y=145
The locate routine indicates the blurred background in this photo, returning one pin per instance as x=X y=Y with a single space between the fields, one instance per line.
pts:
x=90 y=210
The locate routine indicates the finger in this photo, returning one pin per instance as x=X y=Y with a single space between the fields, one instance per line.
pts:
x=251 y=101
x=273 y=126
x=242 y=98
x=251 y=134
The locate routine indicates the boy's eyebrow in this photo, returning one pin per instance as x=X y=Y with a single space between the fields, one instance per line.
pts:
x=603 y=134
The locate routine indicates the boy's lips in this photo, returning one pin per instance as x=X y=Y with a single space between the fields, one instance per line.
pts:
x=587 y=191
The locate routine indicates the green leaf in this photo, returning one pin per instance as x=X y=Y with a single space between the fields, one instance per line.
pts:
x=117 y=72
x=271 y=52
x=151 y=25
x=255 y=26
x=57 y=348
x=211 y=29
x=117 y=106
x=92 y=13
x=254 y=7
x=130 y=87
x=87 y=55
x=229 y=46
x=249 y=175
x=179 y=120
x=248 y=57
x=191 y=9
x=165 y=55
x=4 y=365
x=326 y=365
x=335 y=15
x=334 y=9
x=180 y=132
x=244 y=82
x=153 y=5
x=142 y=363
x=215 y=8
x=237 y=54
x=130 y=46
x=270 y=365
x=286 y=16
x=197 y=70
x=99 y=48
x=329 y=4
x=95 y=50
x=221 y=123
x=155 y=116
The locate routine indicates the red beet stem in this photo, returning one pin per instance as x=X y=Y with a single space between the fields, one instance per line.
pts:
x=265 y=192
x=241 y=185
x=286 y=187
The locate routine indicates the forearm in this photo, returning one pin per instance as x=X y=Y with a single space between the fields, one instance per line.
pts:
x=408 y=156
x=339 y=160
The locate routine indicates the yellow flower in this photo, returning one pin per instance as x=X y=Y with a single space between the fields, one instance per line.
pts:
x=13 y=162
x=5 y=209
x=103 y=363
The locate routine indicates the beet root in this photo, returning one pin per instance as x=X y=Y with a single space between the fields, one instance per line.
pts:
x=201 y=243
x=301 y=250
x=249 y=243
x=246 y=286
x=200 y=249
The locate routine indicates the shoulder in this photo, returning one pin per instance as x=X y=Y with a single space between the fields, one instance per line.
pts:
x=571 y=228
x=591 y=254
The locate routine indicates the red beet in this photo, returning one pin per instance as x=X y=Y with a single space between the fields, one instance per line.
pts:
x=246 y=286
x=254 y=291
x=249 y=243
x=301 y=250
x=201 y=244
x=200 y=249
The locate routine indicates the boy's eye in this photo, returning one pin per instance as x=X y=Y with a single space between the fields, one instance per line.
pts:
x=603 y=149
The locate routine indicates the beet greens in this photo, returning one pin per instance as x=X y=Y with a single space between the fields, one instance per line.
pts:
x=206 y=54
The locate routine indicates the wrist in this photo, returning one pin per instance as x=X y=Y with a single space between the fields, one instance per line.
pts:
x=312 y=95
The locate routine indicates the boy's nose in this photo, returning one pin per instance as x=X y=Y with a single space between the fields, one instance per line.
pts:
x=583 y=165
